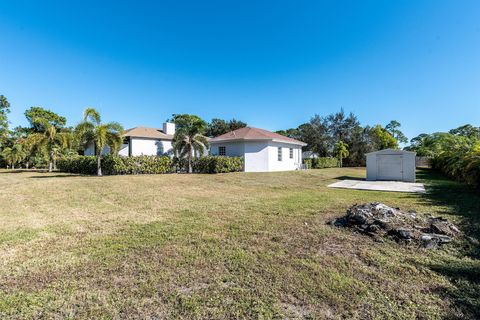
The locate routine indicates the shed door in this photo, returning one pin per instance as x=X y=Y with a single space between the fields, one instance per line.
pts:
x=389 y=167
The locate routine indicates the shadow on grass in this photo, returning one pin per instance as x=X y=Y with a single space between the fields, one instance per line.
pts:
x=457 y=198
x=60 y=176
x=8 y=171
x=350 y=178
x=463 y=269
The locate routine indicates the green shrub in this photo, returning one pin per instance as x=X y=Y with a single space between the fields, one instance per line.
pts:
x=116 y=165
x=137 y=165
x=320 y=163
x=78 y=164
x=460 y=165
x=217 y=164
x=112 y=165
x=308 y=163
x=179 y=165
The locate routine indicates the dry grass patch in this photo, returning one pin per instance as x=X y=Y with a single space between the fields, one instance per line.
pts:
x=236 y=245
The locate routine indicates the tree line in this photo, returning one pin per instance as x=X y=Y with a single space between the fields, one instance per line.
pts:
x=456 y=153
x=47 y=137
x=341 y=135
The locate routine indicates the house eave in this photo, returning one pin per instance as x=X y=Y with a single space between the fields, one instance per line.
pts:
x=257 y=140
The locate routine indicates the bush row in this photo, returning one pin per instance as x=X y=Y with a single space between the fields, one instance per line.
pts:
x=112 y=165
x=78 y=164
x=460 y=166
x=322 y=162
x=210 y=164
x=217 y=164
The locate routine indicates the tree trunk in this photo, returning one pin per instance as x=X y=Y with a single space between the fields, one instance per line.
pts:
x=50 y=163
x=27 y=165
x=99 y=166
x=341 y=162
x=13 y=166
x=190 y=162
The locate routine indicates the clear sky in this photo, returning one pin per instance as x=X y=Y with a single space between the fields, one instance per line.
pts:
x=273 y=64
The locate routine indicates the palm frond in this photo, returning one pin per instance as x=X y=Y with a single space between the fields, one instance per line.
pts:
x=90 y=114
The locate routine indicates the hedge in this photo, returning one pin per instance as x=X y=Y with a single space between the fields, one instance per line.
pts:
x=322 y=162
x=116 y=165
x=463 y=167
x=217 y=164
x=112 y=165
x=78 y=164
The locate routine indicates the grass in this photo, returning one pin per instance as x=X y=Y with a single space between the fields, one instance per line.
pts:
x=224 y=246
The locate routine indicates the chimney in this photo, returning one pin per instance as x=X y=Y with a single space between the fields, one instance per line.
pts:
x=169 y=128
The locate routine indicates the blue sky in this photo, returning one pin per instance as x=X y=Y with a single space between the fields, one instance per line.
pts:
x=273 y=64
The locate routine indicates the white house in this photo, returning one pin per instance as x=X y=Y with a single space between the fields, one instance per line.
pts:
x=390 y=164
x=309 y=155
x=144 y=141
x=262 y=150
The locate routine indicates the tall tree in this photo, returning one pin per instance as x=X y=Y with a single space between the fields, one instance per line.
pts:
x=359 y=144
x=49 y=140
x=340 y=126
x=382 y=139
x=467 y=130
x=315 y=134
x=189 y=138
x=34 y=114
x=291 y=133
x=341 y=151
x=4 y=110
x=219 y=126
x=393 y=128
x=92 y=131
x=235 y=124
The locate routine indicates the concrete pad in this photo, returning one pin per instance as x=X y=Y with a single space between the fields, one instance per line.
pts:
x=394 y=186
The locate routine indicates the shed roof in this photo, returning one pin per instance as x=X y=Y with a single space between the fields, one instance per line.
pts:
x=150 y=133
x=254 y=134
x=392 y=151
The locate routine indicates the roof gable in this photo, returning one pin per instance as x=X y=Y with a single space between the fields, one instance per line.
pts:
x=391 y=151
x=150 y=133
x=252 y=134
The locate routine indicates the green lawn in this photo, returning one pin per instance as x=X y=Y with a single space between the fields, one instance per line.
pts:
x=240 y=245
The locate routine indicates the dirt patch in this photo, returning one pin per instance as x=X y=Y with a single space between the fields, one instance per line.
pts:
x=381 y=221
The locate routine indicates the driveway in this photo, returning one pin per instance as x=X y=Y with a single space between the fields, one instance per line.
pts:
x=393 y=186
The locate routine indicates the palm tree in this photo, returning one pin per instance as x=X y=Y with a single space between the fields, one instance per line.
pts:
x=50 y=140
x=341 y=151
x=13 y=155
x=189 y=139
x=92 y=131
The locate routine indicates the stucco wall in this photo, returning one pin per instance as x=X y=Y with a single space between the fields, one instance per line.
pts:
x=256 y=156
x=147 y=147
x=261 y=156
x=150 y=147
x=232 y=149
x=123 y=150
x=90 y=150
x=287 y=163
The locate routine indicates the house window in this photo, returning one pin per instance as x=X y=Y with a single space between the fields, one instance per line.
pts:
x=291 y=153
x=222 y=151
x=279 y=154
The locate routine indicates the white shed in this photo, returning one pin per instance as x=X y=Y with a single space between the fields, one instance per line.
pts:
x=392 y=165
